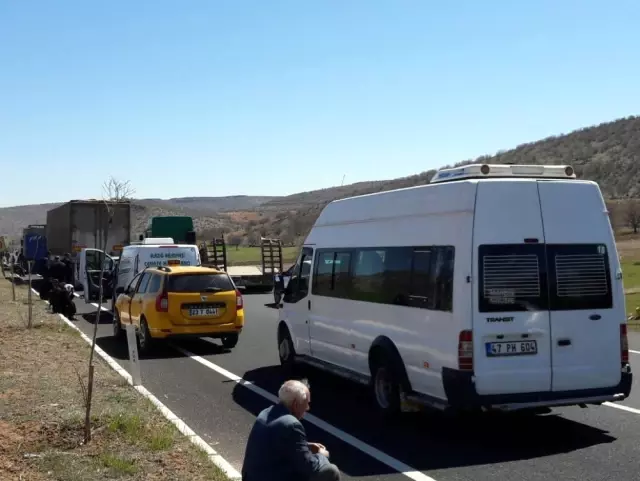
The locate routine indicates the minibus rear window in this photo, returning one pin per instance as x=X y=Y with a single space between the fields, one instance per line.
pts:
x=579 y=277
x=512 y=278
x=556 y=277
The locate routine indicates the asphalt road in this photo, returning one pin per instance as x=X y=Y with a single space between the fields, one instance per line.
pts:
x=197 y=381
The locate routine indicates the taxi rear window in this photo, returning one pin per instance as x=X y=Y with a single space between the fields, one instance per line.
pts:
x=200 y=283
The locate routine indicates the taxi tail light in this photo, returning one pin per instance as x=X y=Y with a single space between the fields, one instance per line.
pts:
x=624 y=344
x=239 y=300
x=465 y=350
x=162 y=301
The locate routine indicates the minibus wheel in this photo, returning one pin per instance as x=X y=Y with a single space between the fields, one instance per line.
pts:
x=386 y=386
x=286 y=351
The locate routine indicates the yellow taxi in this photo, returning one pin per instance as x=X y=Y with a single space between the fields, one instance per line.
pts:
x=180 y=301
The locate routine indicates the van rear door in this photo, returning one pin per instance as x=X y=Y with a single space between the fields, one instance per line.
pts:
x=511 y=330
x=586 y=301
x=162 y=255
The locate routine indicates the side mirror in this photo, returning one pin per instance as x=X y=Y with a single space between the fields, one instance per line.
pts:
x=120 y=290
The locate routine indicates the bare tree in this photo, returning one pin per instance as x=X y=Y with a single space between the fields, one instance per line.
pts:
x=114 y=192
x=633 y=215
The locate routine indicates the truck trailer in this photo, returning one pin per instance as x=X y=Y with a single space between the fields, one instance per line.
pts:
x=82 y=224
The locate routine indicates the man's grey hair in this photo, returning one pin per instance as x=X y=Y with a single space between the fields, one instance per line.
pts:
x=292 y=391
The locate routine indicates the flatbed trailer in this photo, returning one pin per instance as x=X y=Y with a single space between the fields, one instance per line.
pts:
x=214 y=254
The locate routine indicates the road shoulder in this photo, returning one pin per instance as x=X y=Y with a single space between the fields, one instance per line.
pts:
x=42 y=373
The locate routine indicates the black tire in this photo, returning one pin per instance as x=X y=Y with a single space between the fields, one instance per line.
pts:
x=286 y=350
x=145 y=341
x=229 y=341
x=118 y=332
x=385 y=386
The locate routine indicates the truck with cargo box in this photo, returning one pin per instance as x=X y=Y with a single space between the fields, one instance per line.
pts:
x=82 y=224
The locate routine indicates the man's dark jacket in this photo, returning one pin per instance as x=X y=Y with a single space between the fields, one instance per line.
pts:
x=277 y=449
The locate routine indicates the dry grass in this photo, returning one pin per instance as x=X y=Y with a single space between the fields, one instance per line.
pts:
x=41 y=411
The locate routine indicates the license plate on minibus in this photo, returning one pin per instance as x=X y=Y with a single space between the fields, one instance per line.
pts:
x=203 y=312
x=511 y=348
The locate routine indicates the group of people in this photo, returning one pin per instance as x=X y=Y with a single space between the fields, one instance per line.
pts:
x=57 y=284
x=277 y=448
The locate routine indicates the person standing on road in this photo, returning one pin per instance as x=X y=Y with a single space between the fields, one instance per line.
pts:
x=277 y=448
x=57 y=269
x=68 y=268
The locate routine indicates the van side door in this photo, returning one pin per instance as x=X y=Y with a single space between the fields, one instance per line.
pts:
x=296 y=301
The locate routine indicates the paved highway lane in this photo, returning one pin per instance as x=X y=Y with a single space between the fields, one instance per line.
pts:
x=587 y=444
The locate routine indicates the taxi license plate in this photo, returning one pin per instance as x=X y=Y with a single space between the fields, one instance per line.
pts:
x=512 y=348
x=203 y=312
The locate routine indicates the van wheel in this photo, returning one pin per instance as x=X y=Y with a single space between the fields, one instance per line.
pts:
x=286 y=351
x=229 y=341
x=386 y=388
x=118 y=332
x=144 y=338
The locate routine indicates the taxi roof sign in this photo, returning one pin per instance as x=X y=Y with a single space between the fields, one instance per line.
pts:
x=480 y=171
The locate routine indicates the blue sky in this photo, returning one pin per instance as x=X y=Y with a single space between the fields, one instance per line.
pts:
x=212 y=97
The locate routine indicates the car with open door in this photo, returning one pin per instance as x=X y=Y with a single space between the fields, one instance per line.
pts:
x=96 y=267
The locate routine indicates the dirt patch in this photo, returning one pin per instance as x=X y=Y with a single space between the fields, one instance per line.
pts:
x=41 y=410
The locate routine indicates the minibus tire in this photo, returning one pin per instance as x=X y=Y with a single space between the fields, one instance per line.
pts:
x=385 y=378
x=288 y=362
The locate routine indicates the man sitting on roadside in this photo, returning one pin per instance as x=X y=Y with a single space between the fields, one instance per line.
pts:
x=277 y=448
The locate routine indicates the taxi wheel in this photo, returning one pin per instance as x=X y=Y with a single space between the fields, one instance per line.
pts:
x=118 y=332
x=144 y=338
x=230 y=340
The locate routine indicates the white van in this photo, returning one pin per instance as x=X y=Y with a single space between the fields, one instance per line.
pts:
x=494 y=287
x=152 y=252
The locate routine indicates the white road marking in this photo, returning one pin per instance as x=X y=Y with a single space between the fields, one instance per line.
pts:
x=622 y=407
x=213 y=455
x=376 y=454
x=634 y=352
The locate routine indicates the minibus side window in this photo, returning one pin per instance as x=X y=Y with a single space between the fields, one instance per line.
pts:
x=331 y=274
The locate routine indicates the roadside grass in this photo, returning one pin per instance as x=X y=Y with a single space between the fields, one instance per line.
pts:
x=252 y=255
x=629 y=250
x=42 y=413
